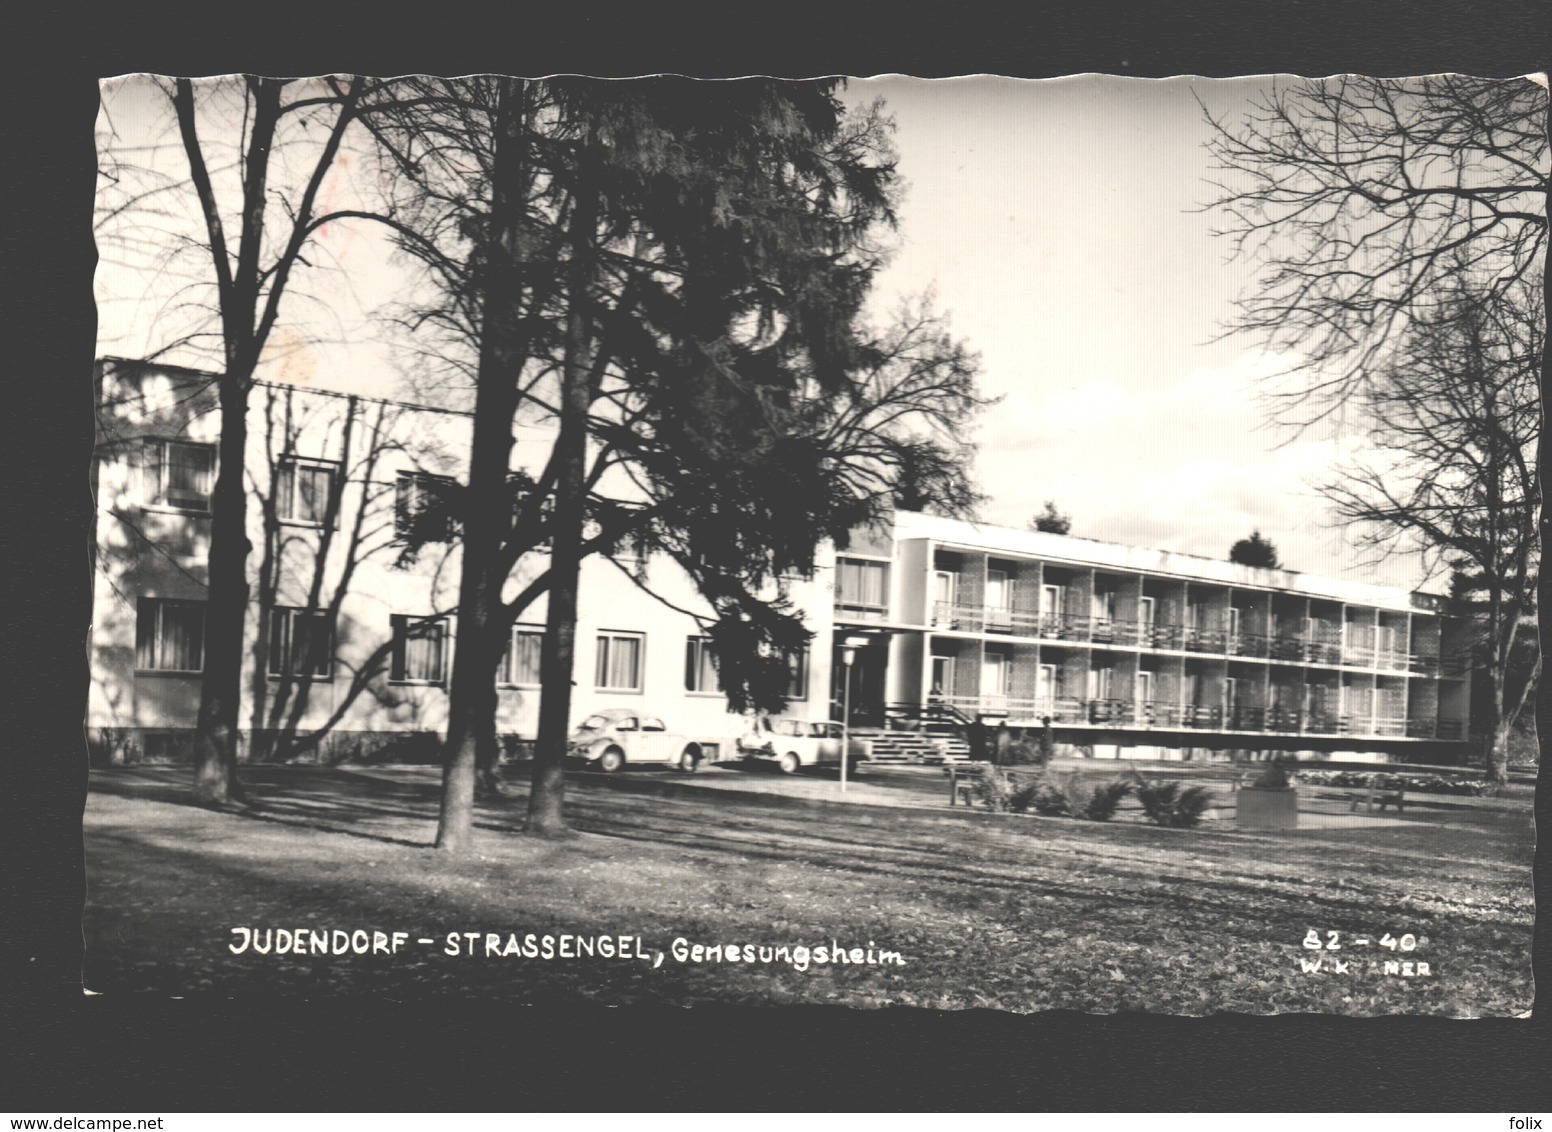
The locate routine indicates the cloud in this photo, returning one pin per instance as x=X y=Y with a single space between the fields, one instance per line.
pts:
x=1190 y=465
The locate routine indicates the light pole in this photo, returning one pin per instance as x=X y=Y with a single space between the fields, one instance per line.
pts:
x=848 y=656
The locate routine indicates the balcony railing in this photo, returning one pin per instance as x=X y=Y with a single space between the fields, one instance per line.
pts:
x=1165 y=715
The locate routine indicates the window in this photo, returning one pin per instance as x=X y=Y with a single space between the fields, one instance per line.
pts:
x=1101 y=680
x=700 y=668
x=619 y=662
x=180 y=475
x=420 y=509
x=521 y=664
x=997 y=589
x=996 y=675
x=419 y=650
x=1048 y=685
x=169 y=635
x=301 y=643
x=942 y=675
x=302 y=490
x=797 y=675
x=863 y=588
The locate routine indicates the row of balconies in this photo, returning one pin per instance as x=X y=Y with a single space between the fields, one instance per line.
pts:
x=1162 y=714
x=1327 y=648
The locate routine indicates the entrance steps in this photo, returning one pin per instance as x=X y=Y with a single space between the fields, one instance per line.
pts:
x=913 y=747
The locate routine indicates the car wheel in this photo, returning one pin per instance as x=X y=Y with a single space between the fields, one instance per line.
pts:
x=789 y=763
x=690 y=760
x=611 y=760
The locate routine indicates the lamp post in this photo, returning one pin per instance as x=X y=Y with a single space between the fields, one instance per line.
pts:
x=848 y=657
x=849 y=647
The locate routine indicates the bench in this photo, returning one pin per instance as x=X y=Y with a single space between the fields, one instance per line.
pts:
x=1385 y=794
x=962 y=779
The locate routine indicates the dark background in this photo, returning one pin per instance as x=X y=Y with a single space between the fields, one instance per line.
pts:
x=72 y=1054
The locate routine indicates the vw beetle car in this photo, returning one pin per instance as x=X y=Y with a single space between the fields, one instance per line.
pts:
x=610 y=738
x=794 y=743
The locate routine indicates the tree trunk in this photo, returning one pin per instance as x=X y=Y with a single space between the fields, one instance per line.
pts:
x=1498 y=755
x=226 y=608
x=487 y=753
x=487 y=516
x=546 y=816
x=471 y=698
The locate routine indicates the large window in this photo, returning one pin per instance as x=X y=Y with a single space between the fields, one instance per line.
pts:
x=700 y=666
x=419 y=650
x=618 y=666
x=521 y=664
x=797 y=675
x=180 y=475
x=420 y=510
x=302 y=490
x=301 y=643
x=169 y=635
x=700 y=669
x=862 y=588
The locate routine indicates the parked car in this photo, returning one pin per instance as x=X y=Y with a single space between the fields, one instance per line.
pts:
x=609 y=739
x=794 y=743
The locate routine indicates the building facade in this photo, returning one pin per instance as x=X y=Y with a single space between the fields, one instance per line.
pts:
x=347 y=634
x=1121 y=651
x=1127 y=651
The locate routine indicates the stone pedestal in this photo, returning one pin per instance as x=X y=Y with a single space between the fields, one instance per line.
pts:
x=1260 y=807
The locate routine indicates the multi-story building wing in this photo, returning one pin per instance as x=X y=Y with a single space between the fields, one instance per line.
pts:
x=1141 y=652
x=348 y=632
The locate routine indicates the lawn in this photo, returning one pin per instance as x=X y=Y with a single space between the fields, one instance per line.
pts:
x=1005 y=911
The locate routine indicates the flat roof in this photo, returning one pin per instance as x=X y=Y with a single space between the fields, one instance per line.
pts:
x=1067 y=549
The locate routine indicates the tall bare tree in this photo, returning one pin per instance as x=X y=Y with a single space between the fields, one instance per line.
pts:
x=1451 y=468
x=259 y=155
x=1400 y=227
x=1362 y=198
x=322 y=522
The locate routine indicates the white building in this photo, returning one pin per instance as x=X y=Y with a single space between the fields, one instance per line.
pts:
x=1125 y=651
x=384 y=628
x=1144 y=653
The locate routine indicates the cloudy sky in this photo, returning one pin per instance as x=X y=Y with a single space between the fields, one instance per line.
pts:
x=1058 y=222
x=1061 y=224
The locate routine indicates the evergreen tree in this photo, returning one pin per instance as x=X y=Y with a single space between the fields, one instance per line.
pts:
x=1051 y=520
x=1254 y=551
x=683 y=277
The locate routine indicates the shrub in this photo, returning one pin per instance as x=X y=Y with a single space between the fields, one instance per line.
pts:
x=1024 y=751
x=1165 y=803
x=1026 y=796
x=1106 y=799
x=994 y=788
x=1069 y=796
x=1418 y=783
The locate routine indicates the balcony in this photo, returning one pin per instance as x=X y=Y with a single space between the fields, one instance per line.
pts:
x=1326 y=648
x=1362 y=656
x=1166 y=715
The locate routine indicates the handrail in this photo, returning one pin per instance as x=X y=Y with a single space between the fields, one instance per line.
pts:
x=1320 y=647
x=960 y=711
